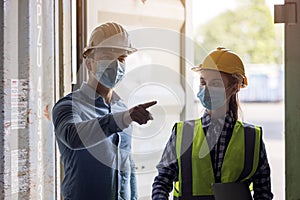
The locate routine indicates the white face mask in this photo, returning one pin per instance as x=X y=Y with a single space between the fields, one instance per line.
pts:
x=110 y=72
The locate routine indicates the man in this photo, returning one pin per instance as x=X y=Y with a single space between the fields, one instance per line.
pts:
x=92 y=124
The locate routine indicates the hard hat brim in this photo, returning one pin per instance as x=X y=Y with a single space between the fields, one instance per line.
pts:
x=196 y=69
x=127 y=50
x=199 y=69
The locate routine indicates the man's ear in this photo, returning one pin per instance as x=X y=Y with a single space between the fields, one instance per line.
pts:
x=89 y=64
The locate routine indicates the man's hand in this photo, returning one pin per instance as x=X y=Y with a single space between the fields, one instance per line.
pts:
x=139 y=113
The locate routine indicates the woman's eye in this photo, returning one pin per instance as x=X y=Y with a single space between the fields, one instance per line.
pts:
x=202 y=81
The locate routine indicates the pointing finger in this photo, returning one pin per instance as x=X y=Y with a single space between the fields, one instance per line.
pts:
x=148 y=104
x=150 y=116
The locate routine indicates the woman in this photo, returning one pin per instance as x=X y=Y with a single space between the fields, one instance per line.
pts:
x=218 y=147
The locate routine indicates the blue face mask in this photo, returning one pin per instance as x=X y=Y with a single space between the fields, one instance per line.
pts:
x=110 y=73
x=212 y=98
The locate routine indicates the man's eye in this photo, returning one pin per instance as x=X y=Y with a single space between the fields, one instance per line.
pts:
x=107 y=57
x=217 y=84
x=121 y=59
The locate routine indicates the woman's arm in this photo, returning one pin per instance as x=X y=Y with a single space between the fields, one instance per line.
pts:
x=167 y=171
x=261 y=178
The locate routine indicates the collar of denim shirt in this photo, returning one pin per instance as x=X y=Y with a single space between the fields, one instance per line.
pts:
x=92 y=94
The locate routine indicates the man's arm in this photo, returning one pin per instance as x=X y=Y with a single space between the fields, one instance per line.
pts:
x=78 y=134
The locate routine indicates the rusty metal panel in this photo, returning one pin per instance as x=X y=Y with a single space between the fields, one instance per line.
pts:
x=1 y=99
x=15 y=97
x=26 y=94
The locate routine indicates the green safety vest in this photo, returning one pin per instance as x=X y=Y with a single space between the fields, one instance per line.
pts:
x=196 y=174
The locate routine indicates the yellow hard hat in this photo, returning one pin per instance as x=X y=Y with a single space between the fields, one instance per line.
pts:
x=224 y=60
x=109 y=35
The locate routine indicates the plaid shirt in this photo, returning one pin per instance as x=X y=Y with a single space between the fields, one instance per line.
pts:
x=168 y=166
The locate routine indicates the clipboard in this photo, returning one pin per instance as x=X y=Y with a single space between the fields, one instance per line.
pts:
x=231 y=191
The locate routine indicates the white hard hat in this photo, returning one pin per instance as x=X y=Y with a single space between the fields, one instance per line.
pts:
x=109 y=35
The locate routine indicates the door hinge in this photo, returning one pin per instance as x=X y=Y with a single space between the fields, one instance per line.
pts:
x=286 y=13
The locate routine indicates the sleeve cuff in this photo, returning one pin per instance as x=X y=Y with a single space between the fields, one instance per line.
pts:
x=119 y=119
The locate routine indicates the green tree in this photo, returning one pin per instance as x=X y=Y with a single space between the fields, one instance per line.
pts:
x=248 y=30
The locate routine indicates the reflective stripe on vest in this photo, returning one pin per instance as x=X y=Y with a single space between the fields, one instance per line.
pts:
x=195 y=168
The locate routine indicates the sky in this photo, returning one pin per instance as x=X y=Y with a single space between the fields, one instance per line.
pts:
x=202 y=10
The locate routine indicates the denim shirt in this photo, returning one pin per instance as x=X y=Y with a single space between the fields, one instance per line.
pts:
x=95 y=146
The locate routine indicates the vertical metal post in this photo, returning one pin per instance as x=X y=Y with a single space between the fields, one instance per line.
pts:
x=80 y=40
x=288 y=15
x=292 y=106
x=63 y=66
x=187 y=62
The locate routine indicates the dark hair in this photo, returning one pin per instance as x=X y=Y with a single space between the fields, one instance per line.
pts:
x=234 y=104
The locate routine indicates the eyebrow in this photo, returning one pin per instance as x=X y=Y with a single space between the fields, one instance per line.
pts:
x=215 y=79
x=123 y=56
